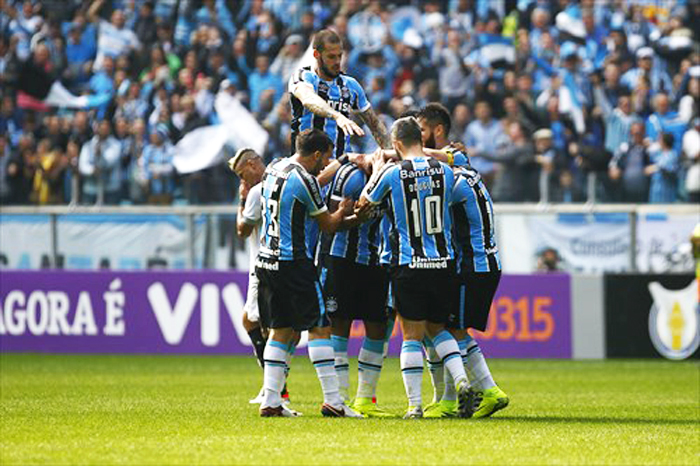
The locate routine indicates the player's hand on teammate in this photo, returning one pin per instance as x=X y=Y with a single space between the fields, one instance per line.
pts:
x=458 y=146
x=347 y=206
x=349 y=127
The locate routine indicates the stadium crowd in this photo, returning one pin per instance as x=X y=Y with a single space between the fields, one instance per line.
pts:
x=555 y=100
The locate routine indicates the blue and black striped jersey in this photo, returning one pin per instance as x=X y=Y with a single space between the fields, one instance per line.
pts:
x=289 y=196
x=360 y=244
x=344 y=94
x=419 y=192
x=472 y=214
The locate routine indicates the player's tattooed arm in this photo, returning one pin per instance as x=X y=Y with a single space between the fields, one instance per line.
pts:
x=316 y=105
x=377 y=127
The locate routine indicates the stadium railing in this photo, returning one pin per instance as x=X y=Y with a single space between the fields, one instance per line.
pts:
x=189 y=213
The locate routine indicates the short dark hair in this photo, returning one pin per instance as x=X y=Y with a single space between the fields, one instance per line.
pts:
x=312 y=140
x=436 y=114
x=326 y=36
x=407 y=131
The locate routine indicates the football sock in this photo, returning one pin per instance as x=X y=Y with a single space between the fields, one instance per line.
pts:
x=369 y=367
x=390 y=322
x=256 y=337
x=412 y=370
x=448 y=350
x=436 y=369
x=321 y=355
x=290 y=352
x=273 y=380
x=476 y=367
x=450 y=393
x=342 y=366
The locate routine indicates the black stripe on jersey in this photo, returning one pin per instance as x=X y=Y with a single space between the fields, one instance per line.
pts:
x=462 y=233
x=319 y=122
x=486 y=221
x=275 y=196
x=298 y=230
x=312 y=186
x=371 y=240
x=339 y=134
x=342 y=177
x=393 y=234
x=409 y=197
x=439 y=180
x=373 y=181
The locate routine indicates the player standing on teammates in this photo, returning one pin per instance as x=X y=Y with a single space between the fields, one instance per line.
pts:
x=323 y=97
x=479 y=269
x=356 y=287
x=420 y=256
x=249 y=167
x=289 y=294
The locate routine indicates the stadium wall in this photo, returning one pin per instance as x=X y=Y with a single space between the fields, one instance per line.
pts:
x=533 y=316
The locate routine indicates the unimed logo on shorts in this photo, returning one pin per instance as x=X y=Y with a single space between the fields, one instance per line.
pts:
x=175 y=317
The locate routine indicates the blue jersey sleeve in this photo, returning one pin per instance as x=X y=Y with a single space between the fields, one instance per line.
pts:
x=459 y=192
x=349 y=182
x=460 y=159
x=308 y=191
x=377 y=190
x=303 y=75
x=361 y=103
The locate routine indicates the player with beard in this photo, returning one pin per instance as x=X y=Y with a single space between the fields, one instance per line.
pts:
x=479 y=271
x=289 y=293
x=323 y=97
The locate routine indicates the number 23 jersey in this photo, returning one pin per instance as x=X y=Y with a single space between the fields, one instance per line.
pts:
x=290 y=195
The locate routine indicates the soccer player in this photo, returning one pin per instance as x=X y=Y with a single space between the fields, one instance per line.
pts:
x=356 y=287
x=420 y=255
x=479 y=271
x=249 y=167
x=323 y=97
x=289 y=293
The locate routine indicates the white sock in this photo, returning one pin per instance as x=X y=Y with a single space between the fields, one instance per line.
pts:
x=477 y=369
x=412 y=371
x=321 y=355
x=450 y=393
x=370 y=366
x=436 y=368
x=273 y=379
x=342 y=366
x=448 y=350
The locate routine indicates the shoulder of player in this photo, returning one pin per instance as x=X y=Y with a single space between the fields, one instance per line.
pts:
x=351 y=82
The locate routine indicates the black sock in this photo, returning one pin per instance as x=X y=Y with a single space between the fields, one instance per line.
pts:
x=258 y=344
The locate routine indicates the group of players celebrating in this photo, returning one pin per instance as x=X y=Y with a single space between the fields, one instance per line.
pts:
x=407 y=231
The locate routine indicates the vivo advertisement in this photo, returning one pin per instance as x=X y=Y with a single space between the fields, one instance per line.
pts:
x=200 y=312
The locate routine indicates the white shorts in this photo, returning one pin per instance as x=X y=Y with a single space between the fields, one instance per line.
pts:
x=251 y=302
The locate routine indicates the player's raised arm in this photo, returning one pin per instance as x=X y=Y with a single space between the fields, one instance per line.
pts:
x=315 y=104
x=376 y=127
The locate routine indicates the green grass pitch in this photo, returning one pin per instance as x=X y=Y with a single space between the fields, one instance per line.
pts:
x=98 y=409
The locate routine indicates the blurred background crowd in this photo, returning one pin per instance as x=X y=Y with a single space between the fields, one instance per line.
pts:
x=556 y=100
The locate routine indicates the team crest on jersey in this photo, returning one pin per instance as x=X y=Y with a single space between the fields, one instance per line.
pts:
x=674 y=320
x=331 y=305
x=322 y=88
x=345 y=92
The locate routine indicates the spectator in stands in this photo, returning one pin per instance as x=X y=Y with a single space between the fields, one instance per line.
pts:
x=659 y=79
x=261 y=80
x=481 y=138
x=664 y=120
x=448 y=58
x=113 y=37
x=691 y=149
x=100 y=167
x=517 y=180
x=287 y=60
x=158 y=165
x=80 y=52
x=664 y=171
x=628 y=167
x=144 y=24
x=8 y=169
